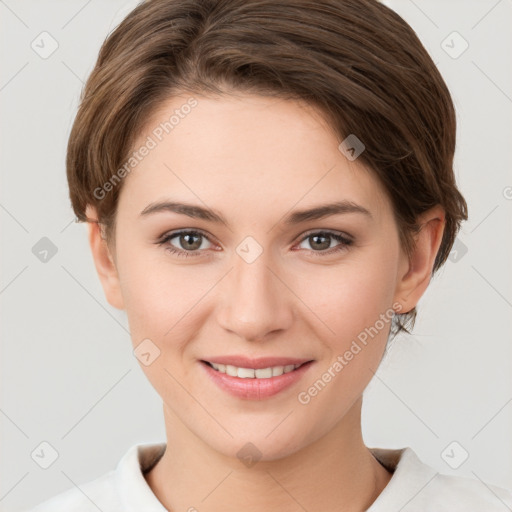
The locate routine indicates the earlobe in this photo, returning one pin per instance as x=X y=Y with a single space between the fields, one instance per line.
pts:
x=415 y=272
x=104 y=263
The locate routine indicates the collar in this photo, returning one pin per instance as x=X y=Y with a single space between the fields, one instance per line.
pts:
x=409 y=472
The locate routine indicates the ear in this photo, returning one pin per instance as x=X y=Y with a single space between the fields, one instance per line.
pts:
x=104 y=262
x=415 y=272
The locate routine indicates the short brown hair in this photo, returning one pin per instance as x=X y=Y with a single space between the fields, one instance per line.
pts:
x=356 y=60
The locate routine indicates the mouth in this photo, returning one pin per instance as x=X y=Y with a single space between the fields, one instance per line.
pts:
x=255 y=379
x=254 y=373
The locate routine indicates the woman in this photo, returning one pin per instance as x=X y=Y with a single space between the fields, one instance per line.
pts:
x=269 y=190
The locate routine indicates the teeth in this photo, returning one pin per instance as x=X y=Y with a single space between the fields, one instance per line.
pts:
x=246 y=373
x=277 y=370
x=263 y=373
x=251 y=373
x=230 y=370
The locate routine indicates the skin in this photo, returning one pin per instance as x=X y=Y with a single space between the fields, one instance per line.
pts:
x=255 y=160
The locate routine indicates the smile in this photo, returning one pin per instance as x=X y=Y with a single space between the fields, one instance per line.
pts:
x=253 y=373
x=244 y=382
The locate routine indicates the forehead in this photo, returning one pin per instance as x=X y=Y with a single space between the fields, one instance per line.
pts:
x=236 y=153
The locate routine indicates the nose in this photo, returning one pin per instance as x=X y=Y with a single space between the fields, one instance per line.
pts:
x=256 y=300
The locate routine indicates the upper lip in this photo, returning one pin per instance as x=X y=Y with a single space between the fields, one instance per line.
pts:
x=256 y=363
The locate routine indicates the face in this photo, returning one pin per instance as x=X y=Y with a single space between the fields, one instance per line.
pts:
x=247 y=279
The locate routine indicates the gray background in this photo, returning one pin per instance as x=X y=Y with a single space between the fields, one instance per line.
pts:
x=68 y=374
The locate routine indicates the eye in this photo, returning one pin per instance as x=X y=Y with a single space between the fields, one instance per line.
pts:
x=320 y=241
x=188 y=243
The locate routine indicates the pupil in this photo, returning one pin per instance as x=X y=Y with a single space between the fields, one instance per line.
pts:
x=325 y=245
x=190 y=240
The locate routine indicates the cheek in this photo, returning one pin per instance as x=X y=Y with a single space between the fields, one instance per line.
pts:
x=354 y=305
x=350 y=297
x=162 y=299
x=162 y=302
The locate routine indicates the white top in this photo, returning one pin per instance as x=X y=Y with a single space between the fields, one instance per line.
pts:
x=414 y=487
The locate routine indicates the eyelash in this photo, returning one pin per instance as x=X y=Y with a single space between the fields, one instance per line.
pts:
x=345 y=242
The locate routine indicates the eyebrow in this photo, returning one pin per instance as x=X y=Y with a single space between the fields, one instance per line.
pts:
x=296 y=217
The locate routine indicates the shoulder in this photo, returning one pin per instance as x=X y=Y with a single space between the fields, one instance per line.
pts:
x=121 y=489
x=88 y=497
x=417 y=487
x=456 y=493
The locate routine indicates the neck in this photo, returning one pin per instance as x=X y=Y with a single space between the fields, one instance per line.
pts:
x=334 y=473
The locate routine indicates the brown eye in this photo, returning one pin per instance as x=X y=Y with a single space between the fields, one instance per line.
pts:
x=190 y=241
x=185 y=243
x=320 y=242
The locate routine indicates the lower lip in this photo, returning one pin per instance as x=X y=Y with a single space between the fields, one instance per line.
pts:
x=255 y=389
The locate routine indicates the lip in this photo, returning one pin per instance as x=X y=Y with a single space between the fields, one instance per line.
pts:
x=256 y=363
x=256 y=389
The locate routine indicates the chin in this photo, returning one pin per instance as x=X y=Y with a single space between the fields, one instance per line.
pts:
x=250 y=445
